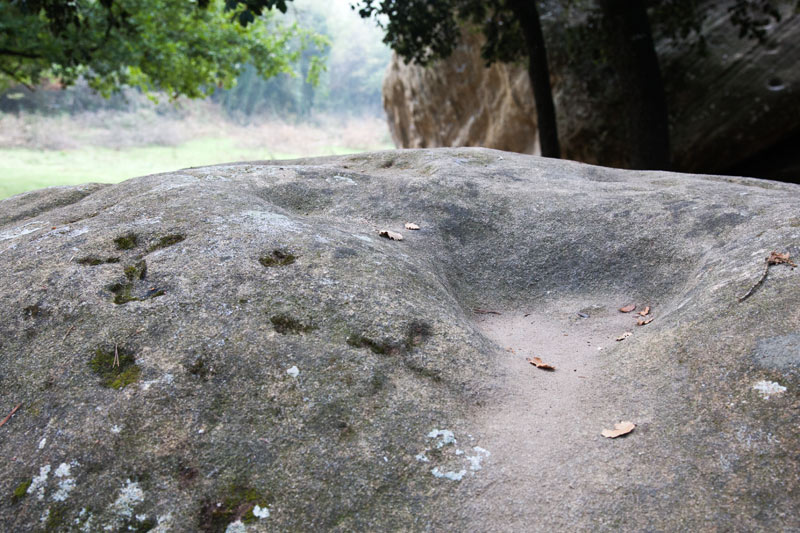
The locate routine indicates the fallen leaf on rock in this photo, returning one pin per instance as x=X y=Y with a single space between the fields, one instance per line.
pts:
x=538 y=363
x=621 y=428
x=390 y=235
x=644 y=322
x=624 y=336
x=627 y=308
x=411 y=226
x=645 y=311
x=776 y=258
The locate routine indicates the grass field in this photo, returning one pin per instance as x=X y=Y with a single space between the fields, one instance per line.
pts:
x=38 y=152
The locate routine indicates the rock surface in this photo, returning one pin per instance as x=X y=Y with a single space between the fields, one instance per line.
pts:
x=726 y=108
x=234 y=348
x=460 y=102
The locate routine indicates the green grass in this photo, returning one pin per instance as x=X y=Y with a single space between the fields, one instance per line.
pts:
x=23 y=169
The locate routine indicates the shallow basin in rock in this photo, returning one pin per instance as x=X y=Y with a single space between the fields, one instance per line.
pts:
x=236 y=348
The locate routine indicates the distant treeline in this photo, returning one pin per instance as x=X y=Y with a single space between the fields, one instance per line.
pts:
x=351 y=85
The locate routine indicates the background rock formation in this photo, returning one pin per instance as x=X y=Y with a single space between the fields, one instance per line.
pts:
x=460 y=102
x=235 y=347
x=727 y=108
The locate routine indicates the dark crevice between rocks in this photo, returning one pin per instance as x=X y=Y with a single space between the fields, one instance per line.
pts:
x=116 y=366
x=277 y=258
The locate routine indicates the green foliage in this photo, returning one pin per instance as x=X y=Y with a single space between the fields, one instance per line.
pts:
x=175 y=47
x=355 y=61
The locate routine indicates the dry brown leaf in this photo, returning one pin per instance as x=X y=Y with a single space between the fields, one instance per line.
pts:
x=624 y=336
x=538 y=363
x=645 y=311
x=776 y=258
x=644 y=322
x=627 y=308
x=385 y=233
x=411 y=226
x=621 y=428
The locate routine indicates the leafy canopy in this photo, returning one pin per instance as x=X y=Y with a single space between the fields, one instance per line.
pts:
x=180 y=47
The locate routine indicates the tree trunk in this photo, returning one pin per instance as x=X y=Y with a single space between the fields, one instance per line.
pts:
x=539 y=74
x=634 y=58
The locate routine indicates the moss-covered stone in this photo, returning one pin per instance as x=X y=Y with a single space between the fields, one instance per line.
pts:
x=378 y=347
x=277 y=258
x=21 y=490
x=165 y=241
x=93 y=260
x=286 y=324
x=237 y=503
x=127 y=241
x=116 y=367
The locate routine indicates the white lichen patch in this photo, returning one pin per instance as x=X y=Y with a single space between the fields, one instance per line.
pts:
x=445 y=437
x=294 y=371
x=38 y=482
x=129 y=497
x=116 y=430
x=453 y=476
x=260 y=512
x=65 y=484
x=769 y=388
x=42 y=442
x=453 y=463
x=236 y=527
x=475 y=460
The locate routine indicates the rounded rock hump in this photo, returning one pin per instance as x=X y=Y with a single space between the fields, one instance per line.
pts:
x=247 y=352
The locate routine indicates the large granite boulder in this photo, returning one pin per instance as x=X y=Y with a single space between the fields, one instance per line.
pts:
x=236 y=348
x=729 y=108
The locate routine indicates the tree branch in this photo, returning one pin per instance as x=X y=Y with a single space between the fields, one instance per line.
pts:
x=17 y=53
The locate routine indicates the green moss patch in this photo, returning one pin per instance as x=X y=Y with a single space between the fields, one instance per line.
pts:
x=285 y=324
x=137 y=271
x=237 y=503
x=123 y=291
x=378 y=347
x=93 y=260
x=277 y=258
x=116 y=367
x=126 y=242
x=21 y=491
x=165 y=241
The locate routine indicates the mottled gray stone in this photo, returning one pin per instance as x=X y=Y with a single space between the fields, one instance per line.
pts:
x=206 y=422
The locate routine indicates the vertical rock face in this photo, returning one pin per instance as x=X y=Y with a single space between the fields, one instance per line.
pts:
x=461 y=102
x=727 y=107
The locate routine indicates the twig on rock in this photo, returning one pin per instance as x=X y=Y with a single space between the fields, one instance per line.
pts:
x=14 y=410
x=68 y=332
x=774 y=258
x=485 y=311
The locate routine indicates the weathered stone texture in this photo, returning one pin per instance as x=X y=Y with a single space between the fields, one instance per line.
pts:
x=204 y=346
